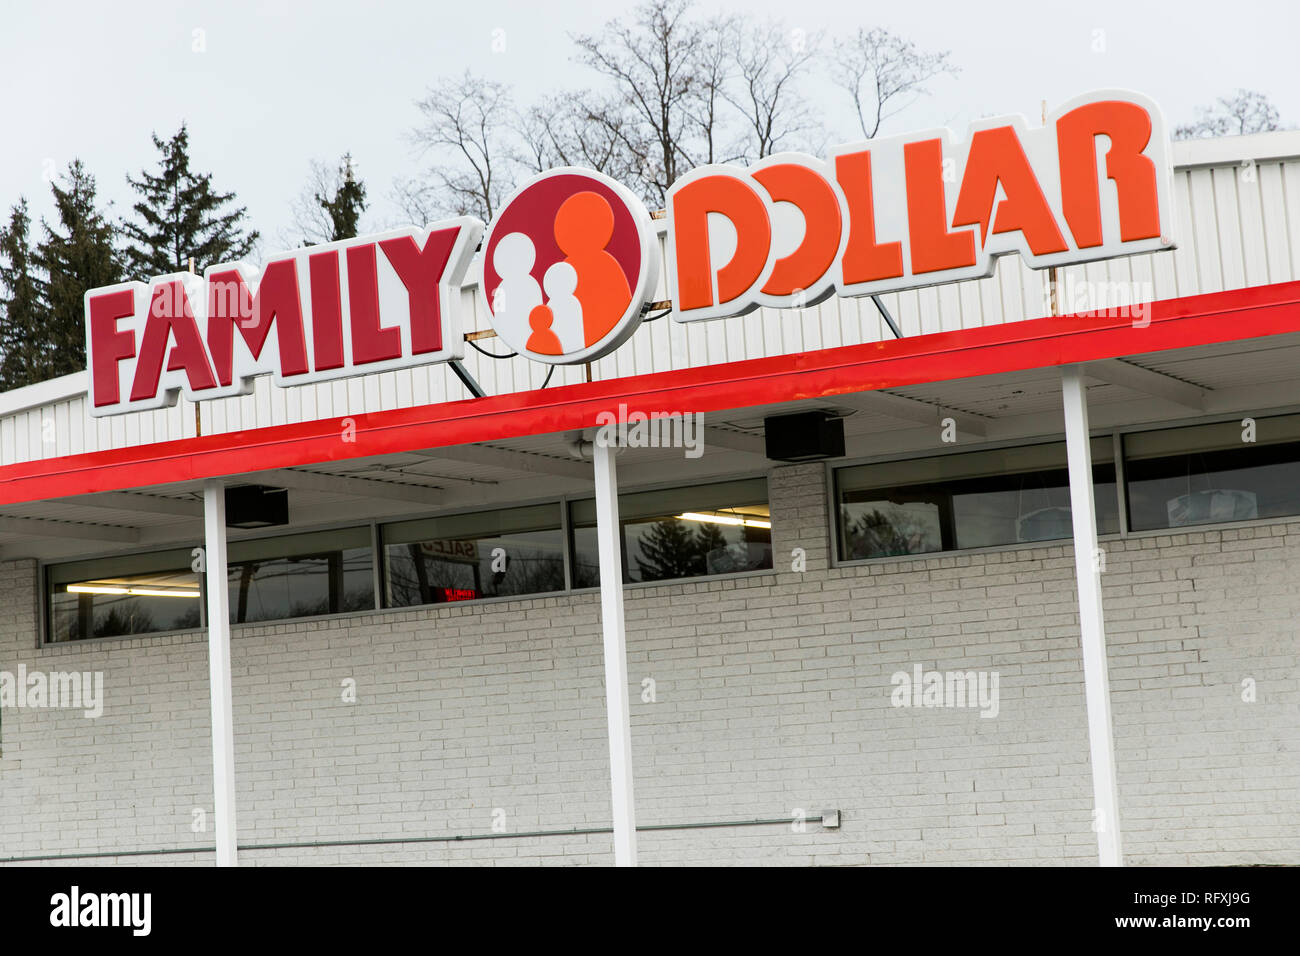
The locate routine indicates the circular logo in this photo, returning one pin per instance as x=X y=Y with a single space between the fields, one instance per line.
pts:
x=569 y=263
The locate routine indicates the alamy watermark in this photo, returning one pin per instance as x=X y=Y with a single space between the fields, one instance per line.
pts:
x=923 y=688
x=82 y=690
x=1122 y=300
x=131 y=911
x=660 y=429
x=231 y=292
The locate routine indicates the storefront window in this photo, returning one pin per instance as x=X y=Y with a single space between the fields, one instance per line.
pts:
x=297 y=575
x=974 y=500
x=1175 y=477
x=680 y=533
x=1203 y=474
x=114 y=597
x=470 y=556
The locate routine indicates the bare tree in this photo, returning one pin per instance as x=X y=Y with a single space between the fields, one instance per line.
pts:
x=1245 y=111
x=769 y=62
x=417 y=200
x=884 y=74
x=584 y=129
x=534 y=127
x=676 y=89
x=314 y=209
x=467 y=130
x=309 y=222
x=654 y=64
x=714 y=70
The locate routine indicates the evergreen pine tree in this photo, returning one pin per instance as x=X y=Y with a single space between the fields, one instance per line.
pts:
x=77 y=258
x=708 y=538
x=344 y=208
x=669 y=549
x=180 y=216
x=23 y=310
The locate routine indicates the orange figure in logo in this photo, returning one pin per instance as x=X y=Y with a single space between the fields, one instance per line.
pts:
x=584 y=225
x=543 y=340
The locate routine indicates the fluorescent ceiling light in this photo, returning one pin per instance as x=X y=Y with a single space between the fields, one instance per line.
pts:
x=711 y=519
x=138 y=592
x=724 y=519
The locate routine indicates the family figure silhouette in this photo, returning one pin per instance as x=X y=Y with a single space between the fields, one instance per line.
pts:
x=586 y=292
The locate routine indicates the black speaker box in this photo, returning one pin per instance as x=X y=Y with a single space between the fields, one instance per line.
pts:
x=256 y=506
x=805 y=436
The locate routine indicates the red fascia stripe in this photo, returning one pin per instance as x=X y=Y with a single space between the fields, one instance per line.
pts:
x=1036 y=343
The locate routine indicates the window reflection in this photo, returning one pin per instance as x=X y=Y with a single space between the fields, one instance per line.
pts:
x=973 y=500
x=113 y=597
x=1201 y=474
x=892 y=522
x=471 y=556
x=299 y=575
x=680 y=533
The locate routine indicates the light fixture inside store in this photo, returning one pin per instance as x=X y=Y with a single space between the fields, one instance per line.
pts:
x=714 y=518
x=136 y=592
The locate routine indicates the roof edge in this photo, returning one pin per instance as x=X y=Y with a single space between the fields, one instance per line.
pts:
x=44 y=393
x=1234 y=150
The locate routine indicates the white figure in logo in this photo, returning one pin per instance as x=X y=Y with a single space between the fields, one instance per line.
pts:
x=518 y=292
x=561 y=282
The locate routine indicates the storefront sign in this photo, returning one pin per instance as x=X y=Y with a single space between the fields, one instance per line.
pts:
x=591 y=242
x=451 y=549
x=571 y=261
x=921 y=209
x=324 y=312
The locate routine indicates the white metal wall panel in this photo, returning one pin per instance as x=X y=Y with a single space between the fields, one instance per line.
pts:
x=1238 y=224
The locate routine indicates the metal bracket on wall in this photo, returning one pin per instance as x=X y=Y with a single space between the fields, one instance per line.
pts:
x=467 y=379
x=889 y=319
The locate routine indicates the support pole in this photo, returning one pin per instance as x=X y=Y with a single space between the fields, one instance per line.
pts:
x=223 y=740
x=611 y=622
x=1087 y=567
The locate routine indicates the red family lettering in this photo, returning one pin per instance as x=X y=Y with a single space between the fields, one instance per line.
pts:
x=323 y=312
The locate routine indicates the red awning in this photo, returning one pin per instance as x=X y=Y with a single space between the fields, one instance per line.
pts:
x=1174 y=324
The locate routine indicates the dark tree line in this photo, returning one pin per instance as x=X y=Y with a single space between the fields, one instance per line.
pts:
x=178 y=217
x=43 y=281
x=179 y=221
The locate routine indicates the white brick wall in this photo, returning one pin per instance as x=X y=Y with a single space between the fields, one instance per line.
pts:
x=773 y=694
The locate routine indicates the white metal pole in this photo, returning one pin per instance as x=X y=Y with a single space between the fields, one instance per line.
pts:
x=611 y=619
x=223 y=740
x=1087 y=567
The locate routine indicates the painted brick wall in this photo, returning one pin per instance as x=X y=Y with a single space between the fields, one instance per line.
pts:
x=772 y=693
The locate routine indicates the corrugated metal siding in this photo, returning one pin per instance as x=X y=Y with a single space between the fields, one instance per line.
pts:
x=1237 y=225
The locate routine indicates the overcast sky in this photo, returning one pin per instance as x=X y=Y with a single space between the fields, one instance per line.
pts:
x=282 y=83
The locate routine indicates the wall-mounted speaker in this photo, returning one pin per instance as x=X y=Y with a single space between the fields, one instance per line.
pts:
x=256 y=506
x=804 y=436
